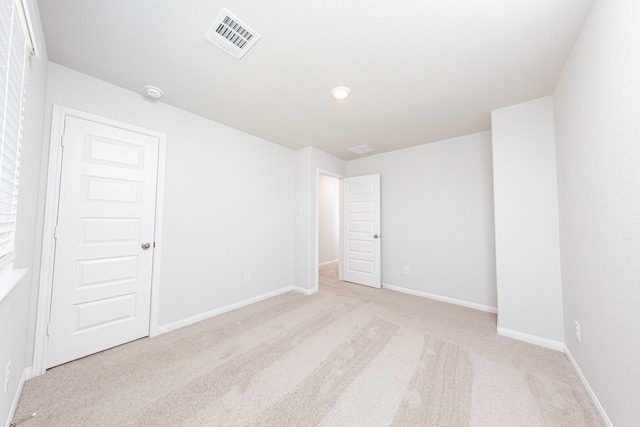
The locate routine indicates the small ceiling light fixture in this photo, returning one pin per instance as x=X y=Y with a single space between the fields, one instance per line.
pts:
x=153 y=91
x=341 y=92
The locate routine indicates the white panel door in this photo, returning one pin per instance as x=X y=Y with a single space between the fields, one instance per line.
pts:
x=361 y=244
x=101 y=293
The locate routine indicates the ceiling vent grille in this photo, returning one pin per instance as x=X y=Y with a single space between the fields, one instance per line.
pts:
x=361 y=149
x=231 y=34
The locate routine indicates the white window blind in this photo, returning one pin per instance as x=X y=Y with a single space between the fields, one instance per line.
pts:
x=13 y=76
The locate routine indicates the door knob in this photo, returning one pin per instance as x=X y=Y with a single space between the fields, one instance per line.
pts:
x=146 y=246
x=375 y=236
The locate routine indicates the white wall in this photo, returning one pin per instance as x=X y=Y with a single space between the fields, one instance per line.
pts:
x=228 y=200
x=309 y=163
x=16 y=326
x=329 y=218
x=437 y=218
x=526 y=223
x=597 y=113
x=302 y=224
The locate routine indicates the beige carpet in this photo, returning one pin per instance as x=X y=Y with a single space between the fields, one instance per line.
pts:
x=347 y=356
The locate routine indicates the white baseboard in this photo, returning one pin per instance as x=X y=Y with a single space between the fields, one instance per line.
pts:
x=454 y=301
x=206 y=315
x=328 y=263
x=26 y=374
x=532 y=339
x=592 y=395
x=305 y=291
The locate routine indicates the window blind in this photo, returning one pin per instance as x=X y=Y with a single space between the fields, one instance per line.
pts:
x=13 y=76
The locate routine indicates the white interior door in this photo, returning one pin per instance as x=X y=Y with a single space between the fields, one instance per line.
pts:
x=361 y=244
x=101 y=292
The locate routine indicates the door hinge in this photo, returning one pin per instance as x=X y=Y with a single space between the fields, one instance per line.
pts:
x=62 y=140
x=55 y=232
x=48 y=325
x=154 y=244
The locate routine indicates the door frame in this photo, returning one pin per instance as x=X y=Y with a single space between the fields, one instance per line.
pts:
x=52 y=199
x=316 y=258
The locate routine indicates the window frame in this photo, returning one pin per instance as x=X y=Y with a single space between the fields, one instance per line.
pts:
x=16 y=48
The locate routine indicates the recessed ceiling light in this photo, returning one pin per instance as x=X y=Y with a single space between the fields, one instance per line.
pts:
x=341 y=92
x=153 y=91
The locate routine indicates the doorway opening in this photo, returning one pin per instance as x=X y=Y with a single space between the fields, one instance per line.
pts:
x=358 y=206
x=328 y=227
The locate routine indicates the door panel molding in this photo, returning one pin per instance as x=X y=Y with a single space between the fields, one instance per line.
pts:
x=52 y=198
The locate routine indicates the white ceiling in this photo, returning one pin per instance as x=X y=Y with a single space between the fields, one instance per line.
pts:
x=419 y=70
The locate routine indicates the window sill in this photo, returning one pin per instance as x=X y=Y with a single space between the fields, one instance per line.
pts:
x=9 y=278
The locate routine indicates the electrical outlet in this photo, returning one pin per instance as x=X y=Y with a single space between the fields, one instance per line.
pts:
x=578 y=332
x=7 y=376
x=247 y=277
x=405 y=270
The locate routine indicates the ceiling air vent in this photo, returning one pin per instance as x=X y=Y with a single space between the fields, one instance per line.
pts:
x=361 y=149
x=231 y=34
